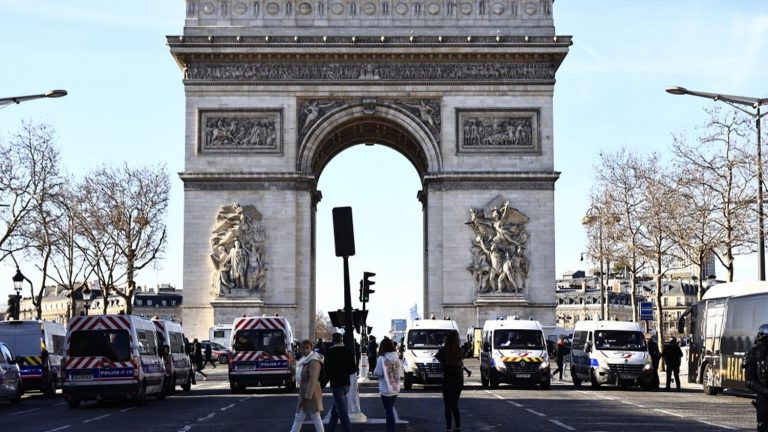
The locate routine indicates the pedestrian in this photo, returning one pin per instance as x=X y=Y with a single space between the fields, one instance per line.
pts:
x=451 y=359
x=559 y=357
x=191 y=354
x=208 y=355
x=310 y=394
x=197 y=359
x=756 y=365
x=373 y=348
x=339 y=365
x=320 y=347
x=653 y=351
x=389 y=370
x=672 y=356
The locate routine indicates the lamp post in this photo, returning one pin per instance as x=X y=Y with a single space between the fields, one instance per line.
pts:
x=19 y=99
x=736 y=102
x=18 y=282
x=86 y=292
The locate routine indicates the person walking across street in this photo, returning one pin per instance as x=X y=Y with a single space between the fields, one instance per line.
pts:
x=559 y=357
x=756 y=365
x=672 y=356
x=197 y=359
x=389 y=370
x=310 y=394
x=653 y=351
x=339 y=365
x=372 y=349
x=208 y=354
x=450 y=356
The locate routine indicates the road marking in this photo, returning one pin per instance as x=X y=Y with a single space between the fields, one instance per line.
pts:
x=535 y=412
x=185 y=428
x=499 y=396
x=715 y=424
x=244 y=399
x=127 y=409
x=58 y=428
x=515 y=404
x=25 y=411
x=96 y=418
x=668 y=412
x=562 y=425
x=208 y=417
x=227 y=407
x=60 y=404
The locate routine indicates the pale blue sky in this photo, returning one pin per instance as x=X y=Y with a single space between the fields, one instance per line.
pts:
x=126 y=102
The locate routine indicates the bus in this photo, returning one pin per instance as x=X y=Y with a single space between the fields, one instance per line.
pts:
x=724 y=324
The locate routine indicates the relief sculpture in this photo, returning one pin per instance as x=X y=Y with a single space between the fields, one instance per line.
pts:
x=240 y=131
x=499 y=261
x=493 y=132
x=237 y=252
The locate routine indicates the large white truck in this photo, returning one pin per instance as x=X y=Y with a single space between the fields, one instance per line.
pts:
x=422 y=340
x=514 y=351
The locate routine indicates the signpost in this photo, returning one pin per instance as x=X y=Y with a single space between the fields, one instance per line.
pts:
x=646 y=313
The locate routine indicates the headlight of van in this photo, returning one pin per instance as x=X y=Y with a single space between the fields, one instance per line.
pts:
x=647 y=367
x=544 y=364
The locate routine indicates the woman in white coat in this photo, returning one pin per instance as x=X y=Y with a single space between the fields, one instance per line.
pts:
x=310 y=393
x=390 y=371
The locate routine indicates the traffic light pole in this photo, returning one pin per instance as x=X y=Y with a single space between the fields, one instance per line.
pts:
x=349 y=326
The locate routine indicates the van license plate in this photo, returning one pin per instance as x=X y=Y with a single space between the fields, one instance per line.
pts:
x=246 y=368
x=523 y=375
x=626 y=376
x=81 y=377
x=434 y=375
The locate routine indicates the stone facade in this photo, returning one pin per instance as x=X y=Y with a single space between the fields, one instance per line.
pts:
x=408 y=74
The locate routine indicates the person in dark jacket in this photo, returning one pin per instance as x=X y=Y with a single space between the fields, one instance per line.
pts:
x=339 y=365
x=197 y=358
x=208 y=355
x=560 y=351
x=373 y=348
x=756 y=365
x=451 y=359
x=672 y=356
x=653 y=351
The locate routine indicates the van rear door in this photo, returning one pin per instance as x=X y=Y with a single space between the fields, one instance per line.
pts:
x=99 y=350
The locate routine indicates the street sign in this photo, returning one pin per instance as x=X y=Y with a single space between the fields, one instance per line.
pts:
x=646 y=311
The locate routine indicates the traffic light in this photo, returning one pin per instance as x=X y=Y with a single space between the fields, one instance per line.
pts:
x=366 y=285
x=12 y=312
x=360 y=296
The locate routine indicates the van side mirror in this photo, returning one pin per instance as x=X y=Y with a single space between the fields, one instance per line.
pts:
x=588 y=347
x=486 y=347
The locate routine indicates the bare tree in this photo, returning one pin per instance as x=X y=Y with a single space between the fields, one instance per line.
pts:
x=622 y=173
x=29 y=184
x=127 y=220
x=600 y=224
x=323 y=327
x=721 y=159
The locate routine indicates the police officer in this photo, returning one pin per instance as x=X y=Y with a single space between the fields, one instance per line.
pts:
x=756 y=364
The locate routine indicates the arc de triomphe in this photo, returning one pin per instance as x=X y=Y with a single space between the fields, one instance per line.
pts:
x=276 y=88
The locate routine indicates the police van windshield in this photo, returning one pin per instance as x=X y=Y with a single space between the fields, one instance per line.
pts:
x=619 y=340
x=427 y=338
x=518 y=339
x=112 y=344
x=271 y=342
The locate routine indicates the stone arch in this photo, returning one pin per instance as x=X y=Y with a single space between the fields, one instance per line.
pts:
x=383 y=124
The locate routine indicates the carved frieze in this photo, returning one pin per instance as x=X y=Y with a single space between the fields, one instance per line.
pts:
x=367 y=72
x=425 y=112
x=499 y=258
x=238 y=252
x=498 y=131
x=248 y=131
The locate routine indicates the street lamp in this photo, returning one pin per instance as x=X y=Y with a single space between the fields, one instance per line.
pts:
x=18 y=282
x=19 y=99
x=736 y=102
x=86 y=292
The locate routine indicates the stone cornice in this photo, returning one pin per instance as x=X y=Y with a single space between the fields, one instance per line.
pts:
x=519 y=176
x=247 y=181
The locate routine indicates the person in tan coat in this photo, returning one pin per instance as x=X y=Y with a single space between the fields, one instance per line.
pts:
x=310 y=393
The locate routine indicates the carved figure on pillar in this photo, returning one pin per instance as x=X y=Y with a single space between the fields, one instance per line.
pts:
x=238 y=245
x=499 y=262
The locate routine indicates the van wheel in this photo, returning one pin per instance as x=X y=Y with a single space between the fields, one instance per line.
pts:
x=493 y=379
x=483 y=380
x=546 y=384
x=290 y=386
x=187 y=386
x=19 y=391
x=408 y=381
x=593 y=380
x=161 y=394
x=708 y=380
x=171 y=387
x=50 y=389
x=235 y=389
x=141 y=396
x=575 y=379
x=223 y=359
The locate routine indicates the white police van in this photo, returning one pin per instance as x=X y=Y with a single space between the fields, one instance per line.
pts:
x=514 y=351
x=261 y=354
x=178 y=367
x=38 y=347
x=610 y=352
x=112 y=357
x=422 y=340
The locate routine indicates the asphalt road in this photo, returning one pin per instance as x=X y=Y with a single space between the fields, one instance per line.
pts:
x=211 y=407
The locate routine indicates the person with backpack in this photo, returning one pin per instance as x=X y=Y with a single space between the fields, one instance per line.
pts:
x=389 y=370
x=339 y=365
x=308 y=370
x=208 y=355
